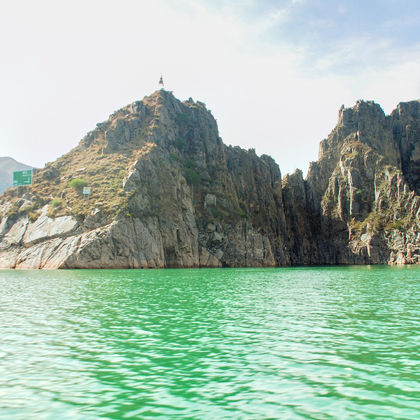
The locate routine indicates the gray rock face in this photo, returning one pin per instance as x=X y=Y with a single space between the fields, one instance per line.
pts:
x=45 y=228
x=361 y=194
x=186 y=200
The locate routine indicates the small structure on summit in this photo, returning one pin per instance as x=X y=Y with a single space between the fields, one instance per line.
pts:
x=161 y=84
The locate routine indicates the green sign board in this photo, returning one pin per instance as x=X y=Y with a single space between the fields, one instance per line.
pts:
x=22 y=177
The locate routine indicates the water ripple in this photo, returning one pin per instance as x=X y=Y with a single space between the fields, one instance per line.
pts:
x=316 y=343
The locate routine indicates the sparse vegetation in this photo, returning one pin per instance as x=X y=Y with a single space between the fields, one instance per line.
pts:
x=216 y=213
x=373 y=223
x=400 y=224
x=33 y=215
x=189 y=163
x=183 y=117
x=56 y=203
x=78 y=184
x=351 y=154
x=13 y=211
x=192 y=177
x=180 y=143
x=173 y=157
x=244 y=215
x=54 y=207
x=104 y=174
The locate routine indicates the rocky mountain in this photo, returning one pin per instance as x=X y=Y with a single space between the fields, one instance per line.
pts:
x=361 y=196
x=166 y=192
x=7 y=166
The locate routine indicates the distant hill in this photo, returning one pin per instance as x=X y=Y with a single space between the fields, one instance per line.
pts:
x=7 y=166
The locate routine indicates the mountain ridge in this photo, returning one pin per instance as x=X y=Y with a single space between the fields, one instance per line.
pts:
x=175 y=196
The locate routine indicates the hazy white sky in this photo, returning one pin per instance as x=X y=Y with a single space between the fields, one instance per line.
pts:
x=273 y=72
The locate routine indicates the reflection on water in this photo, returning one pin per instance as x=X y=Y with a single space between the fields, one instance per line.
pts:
x=321 y=343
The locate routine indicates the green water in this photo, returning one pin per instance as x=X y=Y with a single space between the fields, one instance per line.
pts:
x=310 y=343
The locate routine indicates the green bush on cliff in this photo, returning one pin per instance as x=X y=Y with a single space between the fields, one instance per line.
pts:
x=56 y=203
x=183 y=117
x=216 y=213
x=192 y=177
x=180 y=143
x=78 y=183
x=399 y=224
x=189 y=163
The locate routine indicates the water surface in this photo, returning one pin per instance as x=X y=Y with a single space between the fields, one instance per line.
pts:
x=298 y=343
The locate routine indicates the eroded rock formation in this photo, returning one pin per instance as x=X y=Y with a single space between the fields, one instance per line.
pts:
x=166 y=192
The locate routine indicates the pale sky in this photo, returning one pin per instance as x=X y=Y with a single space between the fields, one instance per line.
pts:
x=273 y=72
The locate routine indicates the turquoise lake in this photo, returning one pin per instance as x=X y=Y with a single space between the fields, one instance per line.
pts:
x=281 y=343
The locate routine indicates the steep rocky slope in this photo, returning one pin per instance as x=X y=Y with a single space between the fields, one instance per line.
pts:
x=166 y=192
x=361 y=194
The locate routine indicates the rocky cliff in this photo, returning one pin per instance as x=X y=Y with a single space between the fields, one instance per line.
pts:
x=360 y=196
x=166 y=192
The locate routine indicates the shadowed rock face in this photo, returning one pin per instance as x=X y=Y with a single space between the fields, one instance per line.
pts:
x=406 y=131
x=362 y=190
x=173 y=195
